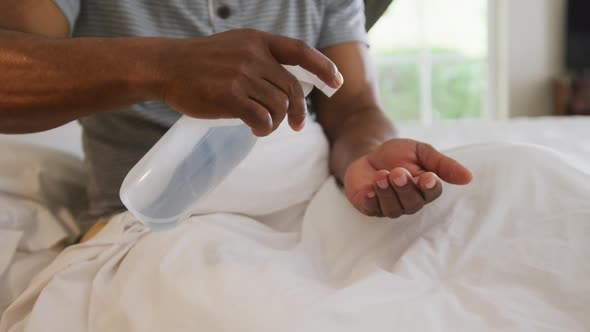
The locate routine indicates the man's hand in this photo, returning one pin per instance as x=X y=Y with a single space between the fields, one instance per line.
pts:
x=235 y=74
x=238 y=74
x=400 y=177
x=382 y=176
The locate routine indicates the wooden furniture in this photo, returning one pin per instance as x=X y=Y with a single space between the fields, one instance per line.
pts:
x=572 y=96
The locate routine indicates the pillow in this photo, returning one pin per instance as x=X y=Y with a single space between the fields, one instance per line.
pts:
x=282 y=170
x=40 y=187
x=41 y=190
x=66 y=138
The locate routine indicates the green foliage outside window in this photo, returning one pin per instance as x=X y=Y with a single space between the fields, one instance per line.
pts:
x=458 y=85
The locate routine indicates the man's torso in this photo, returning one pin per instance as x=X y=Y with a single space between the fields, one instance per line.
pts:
x=114 y=142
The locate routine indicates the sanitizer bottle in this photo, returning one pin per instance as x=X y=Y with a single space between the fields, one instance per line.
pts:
x=190 y=160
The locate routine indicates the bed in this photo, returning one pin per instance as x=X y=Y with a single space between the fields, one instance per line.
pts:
x=508 y=254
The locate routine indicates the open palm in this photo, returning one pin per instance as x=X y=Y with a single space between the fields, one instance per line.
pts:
x=400 y=177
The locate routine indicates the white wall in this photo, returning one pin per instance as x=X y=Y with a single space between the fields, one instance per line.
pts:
x=534 y=42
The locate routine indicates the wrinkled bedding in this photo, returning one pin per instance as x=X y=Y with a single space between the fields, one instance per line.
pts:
x=507 y=253
x=40 y=191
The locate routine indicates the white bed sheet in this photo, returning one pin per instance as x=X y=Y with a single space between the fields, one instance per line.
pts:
x=567 y=135
x=508 y=253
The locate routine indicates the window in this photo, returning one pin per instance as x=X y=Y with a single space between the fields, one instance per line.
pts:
x=432 y=59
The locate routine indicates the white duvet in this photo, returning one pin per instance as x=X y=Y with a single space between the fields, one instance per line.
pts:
x=510 y=252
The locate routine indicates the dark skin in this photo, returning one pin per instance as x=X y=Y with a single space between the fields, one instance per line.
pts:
x=382 y=175
x=51 y=80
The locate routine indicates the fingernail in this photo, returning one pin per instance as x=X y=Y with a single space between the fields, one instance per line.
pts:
x=401 y=181
x=383 y=183
x=339 y=79
x=431 y=183
x=371 y=195
x=300 y=126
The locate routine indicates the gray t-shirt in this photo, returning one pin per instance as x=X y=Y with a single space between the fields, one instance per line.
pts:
x=114 y=142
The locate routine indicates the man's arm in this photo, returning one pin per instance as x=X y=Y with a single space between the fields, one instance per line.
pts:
x=47 y=81
x=352 y=118
x=382 y=176
x=38 y=17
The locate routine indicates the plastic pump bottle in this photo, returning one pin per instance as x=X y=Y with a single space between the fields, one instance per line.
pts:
x=189 y=161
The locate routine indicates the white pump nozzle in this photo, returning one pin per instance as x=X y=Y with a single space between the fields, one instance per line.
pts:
x=309 y=80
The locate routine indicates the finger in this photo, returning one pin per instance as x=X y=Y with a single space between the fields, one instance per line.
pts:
x=272 y=98
x=288 y=84
x=371 y=205
x=430 y=186
x=446 y=168
x=255 y=116
x=409 y=195
x=388 y=200
x=296 y=52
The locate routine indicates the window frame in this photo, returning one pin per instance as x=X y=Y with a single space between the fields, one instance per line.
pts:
x=495 y=97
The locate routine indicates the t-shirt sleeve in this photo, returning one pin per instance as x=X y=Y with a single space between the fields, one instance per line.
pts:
x=71 y=9
x=343 y=21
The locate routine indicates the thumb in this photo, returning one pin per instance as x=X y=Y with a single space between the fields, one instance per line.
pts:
x=446 y=168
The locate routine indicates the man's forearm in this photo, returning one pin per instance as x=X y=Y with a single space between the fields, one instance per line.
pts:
x=352 y=118
x=360 y=133
x=48 y=82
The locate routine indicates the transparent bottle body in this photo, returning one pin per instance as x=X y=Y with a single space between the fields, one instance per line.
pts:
x=191 y=159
